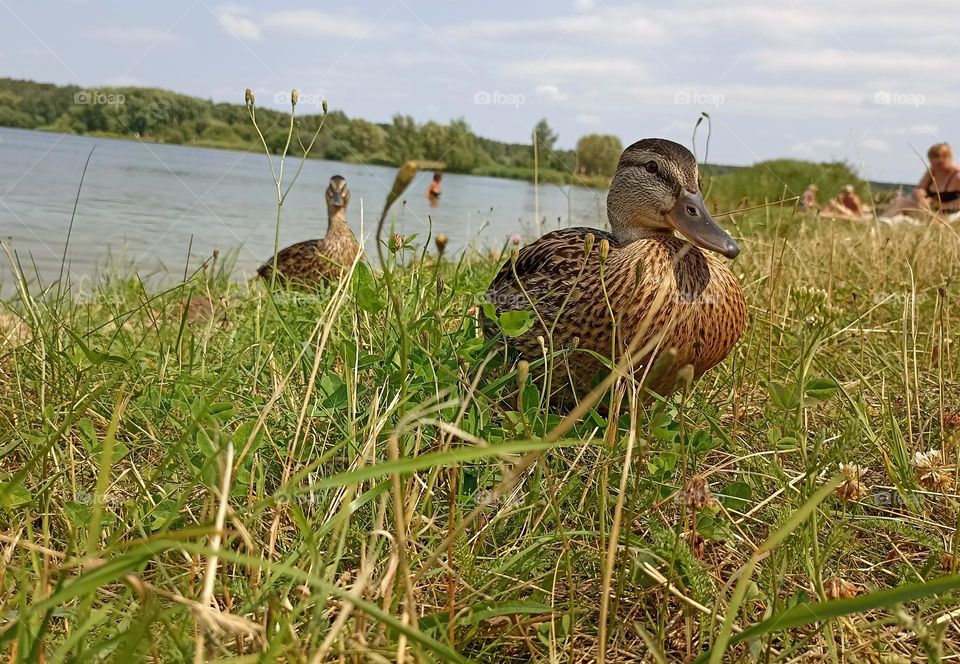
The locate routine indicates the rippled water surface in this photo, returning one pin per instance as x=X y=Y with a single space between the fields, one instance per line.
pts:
x=147 y=205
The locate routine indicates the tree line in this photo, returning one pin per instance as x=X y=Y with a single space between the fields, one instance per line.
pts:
x=157 y=115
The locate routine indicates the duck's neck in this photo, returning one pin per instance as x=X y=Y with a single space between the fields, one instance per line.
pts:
x=630 y=230
x=337 y=219
x=628 y=216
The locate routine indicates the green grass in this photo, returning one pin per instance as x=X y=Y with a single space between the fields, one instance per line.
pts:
x=777 y=179
x=274 y=459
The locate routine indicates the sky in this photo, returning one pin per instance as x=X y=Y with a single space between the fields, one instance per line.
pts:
x=873 y=83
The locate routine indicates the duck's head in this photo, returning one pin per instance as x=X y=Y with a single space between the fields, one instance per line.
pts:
x=656 y=187
x=338 y=196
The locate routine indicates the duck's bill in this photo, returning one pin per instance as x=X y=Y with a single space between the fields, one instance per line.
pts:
x=690 y=217
x=336 y=198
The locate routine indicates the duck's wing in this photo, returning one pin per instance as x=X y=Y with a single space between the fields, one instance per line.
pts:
x=295 y=261
x=549 y=266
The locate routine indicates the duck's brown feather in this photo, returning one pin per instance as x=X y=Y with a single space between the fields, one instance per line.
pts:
x=657 y=285
x=315 y=261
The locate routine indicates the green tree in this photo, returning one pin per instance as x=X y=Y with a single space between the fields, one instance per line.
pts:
x=366 y=138
x=546 y=140
x=434 y=140
x=465 y=152
x=597 y=154
x=404 y=142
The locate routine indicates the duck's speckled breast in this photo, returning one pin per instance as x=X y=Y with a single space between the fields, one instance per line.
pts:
x=656 y=285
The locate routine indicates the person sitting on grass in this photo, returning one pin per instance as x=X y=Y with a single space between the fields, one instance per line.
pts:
x=939 y=188
x=808 y=201
x=846 y=205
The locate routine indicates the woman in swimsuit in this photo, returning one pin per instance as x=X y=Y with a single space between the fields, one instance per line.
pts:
x=434 y=191
x=939 y=189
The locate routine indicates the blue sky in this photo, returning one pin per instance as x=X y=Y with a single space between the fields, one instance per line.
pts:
x=872 y=82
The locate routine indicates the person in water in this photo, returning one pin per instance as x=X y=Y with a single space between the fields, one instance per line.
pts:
x=434 y=191
x=939 y=188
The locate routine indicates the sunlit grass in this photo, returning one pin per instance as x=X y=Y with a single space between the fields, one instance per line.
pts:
x=265 y=455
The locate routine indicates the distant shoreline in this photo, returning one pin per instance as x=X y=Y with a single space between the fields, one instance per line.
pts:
x=154 y=115
x=507 y=172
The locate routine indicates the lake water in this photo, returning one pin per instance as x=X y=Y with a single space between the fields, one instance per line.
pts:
x=143 y=204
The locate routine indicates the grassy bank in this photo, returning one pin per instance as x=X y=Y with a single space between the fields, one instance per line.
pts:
x=346 y=486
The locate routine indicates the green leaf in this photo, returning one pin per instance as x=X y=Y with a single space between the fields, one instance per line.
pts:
x=784 y=397
x=16 y=496
x=77 y=512
x=369 y=300
x=95 y=357
x=515 y=323
x=88 y=435
x=489 y=310
x=821 y=389
x=242 y=434
x=735 y=495
x=802 y=614
x=119 y=451
x=508 y=608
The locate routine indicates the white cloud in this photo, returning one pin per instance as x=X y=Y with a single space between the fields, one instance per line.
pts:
x=237 y=22
x=588 y=119
x=600 y=27
x=313 y=24
x=584 y=5
x=817 y=147
x=549 y=92
x=586 y=70
x=847 y=63
x=874 y=145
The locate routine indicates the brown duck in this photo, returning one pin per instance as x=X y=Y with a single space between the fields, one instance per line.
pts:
x=314 y=262
x=639 y=288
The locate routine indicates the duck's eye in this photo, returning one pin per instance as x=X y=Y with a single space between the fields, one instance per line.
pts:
x=652 y=167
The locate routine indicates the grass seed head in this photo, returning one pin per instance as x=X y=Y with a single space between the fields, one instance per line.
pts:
x=523 y=371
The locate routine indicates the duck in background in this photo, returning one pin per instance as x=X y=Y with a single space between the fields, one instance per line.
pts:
x=314 y=262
